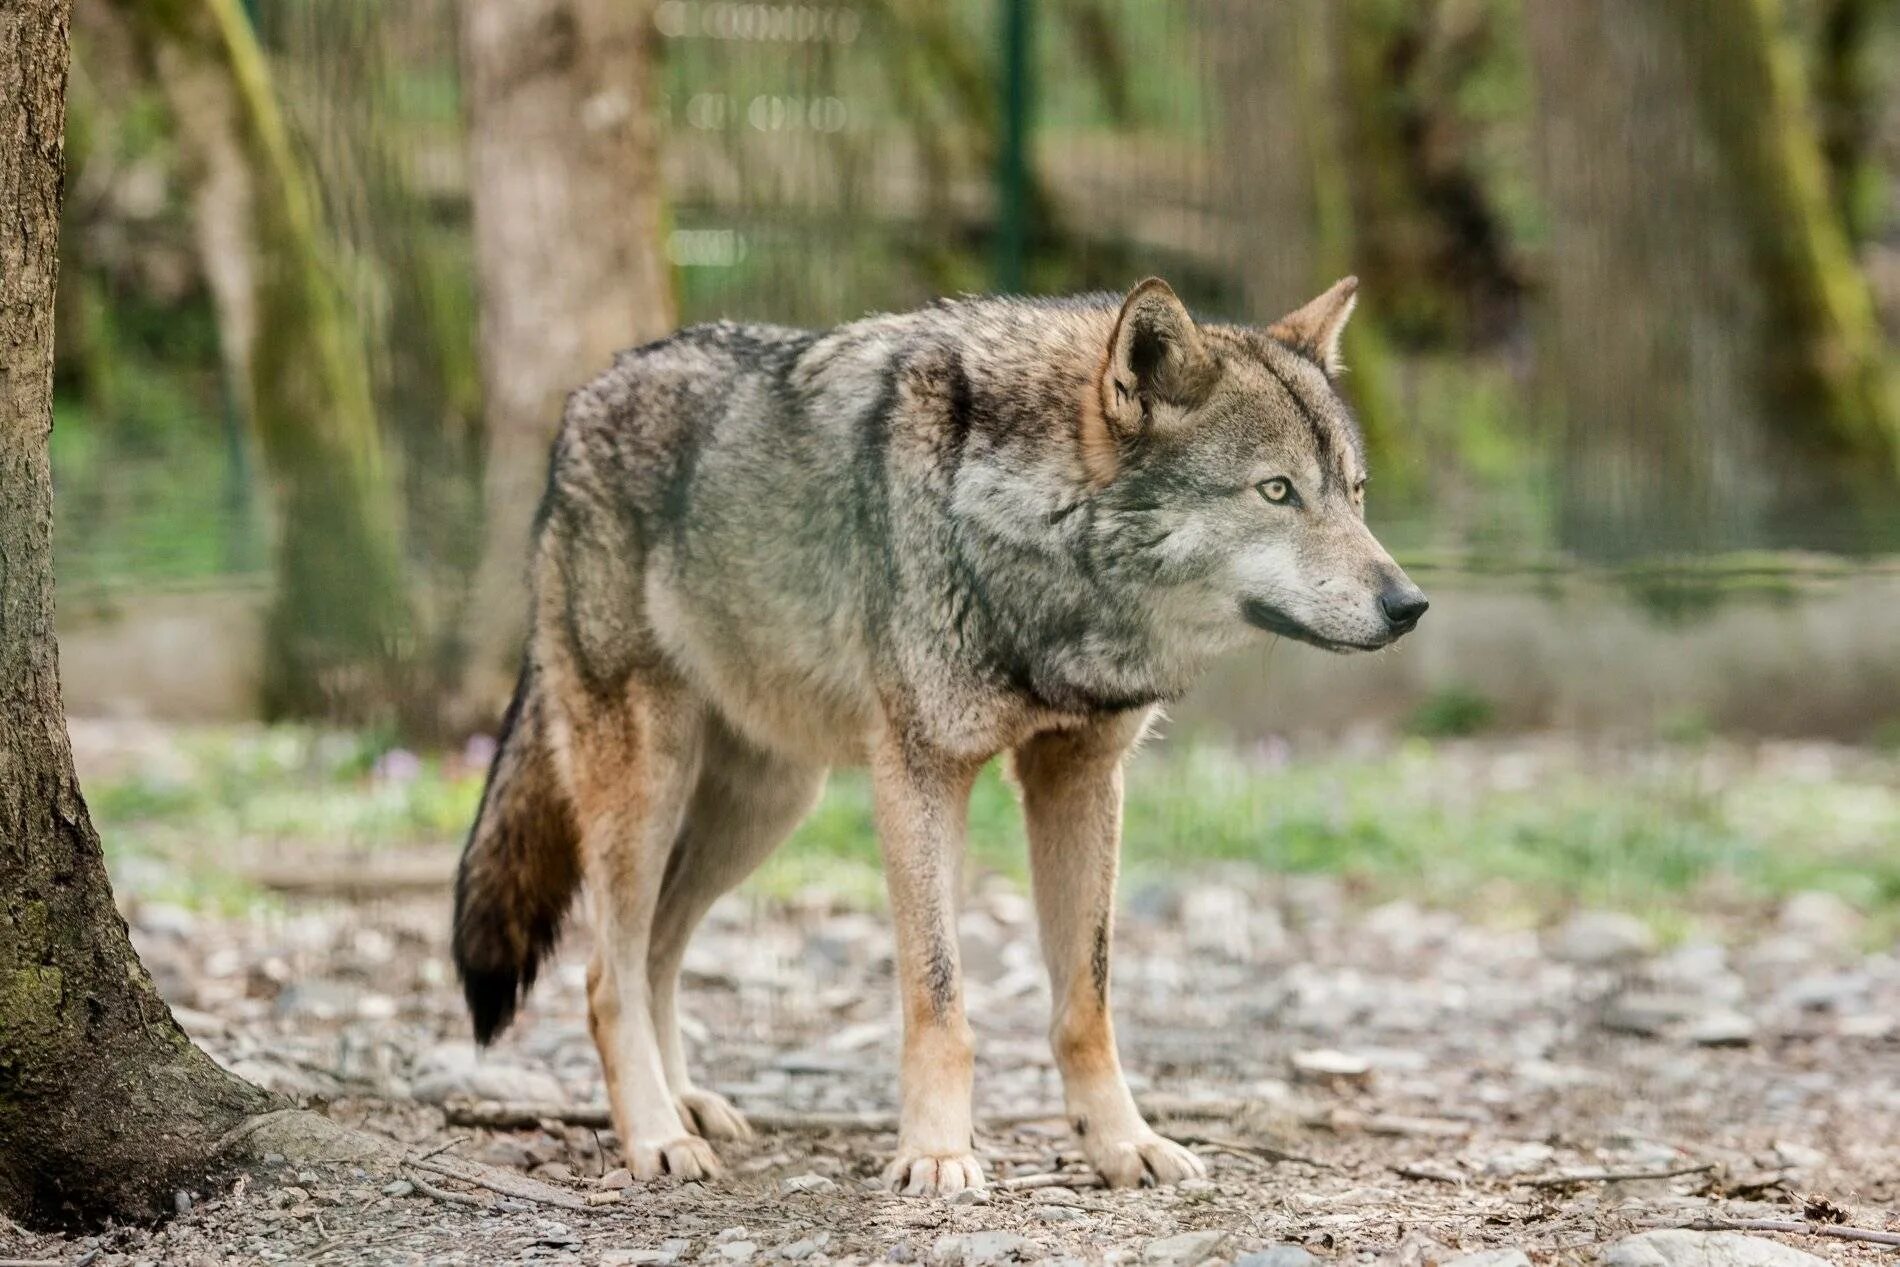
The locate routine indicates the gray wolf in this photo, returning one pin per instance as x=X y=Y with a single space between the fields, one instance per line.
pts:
x=913 y=542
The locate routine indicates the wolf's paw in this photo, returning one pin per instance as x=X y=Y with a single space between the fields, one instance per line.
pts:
x=916 y=1174
x=1146 y=1158
x=710 y=1115
x=688 y=1157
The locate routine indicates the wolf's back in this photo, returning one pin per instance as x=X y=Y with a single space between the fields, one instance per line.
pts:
x=519 y=870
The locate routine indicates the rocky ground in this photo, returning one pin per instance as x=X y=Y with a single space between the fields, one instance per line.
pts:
x=1367 y=1083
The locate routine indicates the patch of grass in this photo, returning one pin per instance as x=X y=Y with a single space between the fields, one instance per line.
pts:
x=1497 y=828
x=1452 y=712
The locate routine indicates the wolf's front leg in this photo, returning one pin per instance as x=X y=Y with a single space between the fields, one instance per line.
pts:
x=1072 y=799
x=922 y=802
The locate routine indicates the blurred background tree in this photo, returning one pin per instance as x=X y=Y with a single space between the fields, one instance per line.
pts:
x=1631 y=274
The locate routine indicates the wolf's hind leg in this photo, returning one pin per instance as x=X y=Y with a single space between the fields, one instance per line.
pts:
x=1072 y=799
x=632 y=765
x=745 y=804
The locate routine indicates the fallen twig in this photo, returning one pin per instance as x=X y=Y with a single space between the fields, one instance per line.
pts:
x=1611 y=1176
x=1872 y=1236
x=505 y=1182
x=1244 y=1148
x=452 y=1141
x=507 y=1115
x=428 y=1189
x=1059 y=1179
x=1414 y=1171
x=497 y=1115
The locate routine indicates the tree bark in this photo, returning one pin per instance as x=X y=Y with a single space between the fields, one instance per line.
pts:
x=564 y=169
x=105 y=1106
x=1708 y=343
x=1279 y=132
x=339 y=627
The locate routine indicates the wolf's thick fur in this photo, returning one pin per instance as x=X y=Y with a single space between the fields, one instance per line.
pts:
x=913 y=542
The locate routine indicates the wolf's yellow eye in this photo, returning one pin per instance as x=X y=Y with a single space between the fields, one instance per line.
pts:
x=1276 y=490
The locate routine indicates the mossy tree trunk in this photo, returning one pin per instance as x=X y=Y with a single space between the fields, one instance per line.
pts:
x=1280 y=135
x=570 y=262
x=105 y=1106
x=1430 y=248
x=339 y=632
x=1708 y=344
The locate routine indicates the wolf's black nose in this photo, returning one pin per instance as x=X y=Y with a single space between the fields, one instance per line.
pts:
x=1403 y=603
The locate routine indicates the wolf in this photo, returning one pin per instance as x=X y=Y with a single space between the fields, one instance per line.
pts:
x=911 y=543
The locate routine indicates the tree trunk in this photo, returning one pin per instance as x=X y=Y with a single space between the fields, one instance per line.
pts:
x=1707 y=341
x=564 y=169
x=339 y=625
x=105 y=1105
x=1280 y=136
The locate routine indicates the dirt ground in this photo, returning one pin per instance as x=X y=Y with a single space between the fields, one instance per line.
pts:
x=1366 y=1083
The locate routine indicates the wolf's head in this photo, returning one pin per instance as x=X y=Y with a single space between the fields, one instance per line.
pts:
x=1235 y=476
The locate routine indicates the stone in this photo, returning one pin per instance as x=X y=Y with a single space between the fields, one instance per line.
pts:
x=1673 y=1247
x=1594 y=939
x=1519 y=1159
x=619 y=1177
x=1326 y=1065
x=738 y=1251
x=808 y=1183
x=400 y=1188
x=1648 y=1015
x=1490 y=1258
x=1059 y=1213
x=1215 y=918
x=1722 y=1028
x=1288 y=1255
x=976 y=1249
x=805 y=1247
x=1187 y=1249
x=635 y=1257
x=454 y=1071
x=1826 y=919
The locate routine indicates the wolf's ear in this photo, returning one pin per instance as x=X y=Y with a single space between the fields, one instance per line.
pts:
x=1315 y=330
x=1155 y=356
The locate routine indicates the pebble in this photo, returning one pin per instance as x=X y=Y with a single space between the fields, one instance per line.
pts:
x=619 y=1177
x=1722 y=1028
x=1519 y=1159
x=976 y=1249
x=1676 y=1248
x=1326 y=1065
x=454 y=1071
x=1594 y=939
x=1215 y=919
x=799 y=1250
x=1059 y=1213
x=738 y=1251
x=1188 y=1249
x=1278 y=1256
x=969 y=1196
x=634 y=1257
x=808 y=1183
x=400 y=1188
x=1490 y=1258
x=1826 y=918
x=728 y=1235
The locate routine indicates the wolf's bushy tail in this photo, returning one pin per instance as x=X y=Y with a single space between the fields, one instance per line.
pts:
x=519 y=870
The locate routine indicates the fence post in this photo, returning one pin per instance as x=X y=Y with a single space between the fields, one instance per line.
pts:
x=1013 y=228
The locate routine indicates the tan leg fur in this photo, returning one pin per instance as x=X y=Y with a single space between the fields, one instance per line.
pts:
x=1072 y=800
